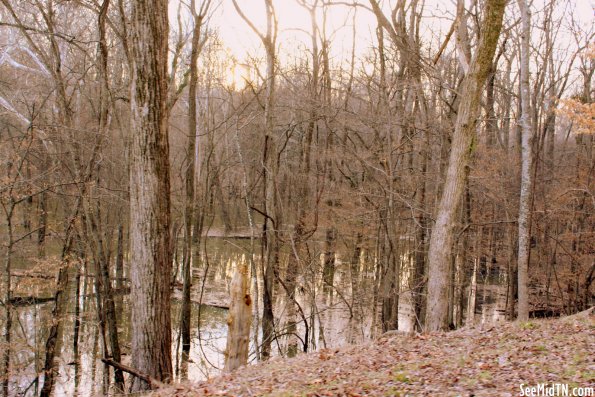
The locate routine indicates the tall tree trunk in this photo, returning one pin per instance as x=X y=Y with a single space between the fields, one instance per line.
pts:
x=53 y=343
x=526 y=164
x=186 y=310
x=293 y=269
x=440 y=250
x=108 y=304
x=273 y=217
x=54 y=339
x=271 y=206
x=302 y=197
x=417 y=279
x=7 y=304
x=111 y=322
x=150 y=241
x=354 y=272
x=463 y=277
x=328 y=271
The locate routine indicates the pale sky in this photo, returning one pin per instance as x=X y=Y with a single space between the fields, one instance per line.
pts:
x=241 y=40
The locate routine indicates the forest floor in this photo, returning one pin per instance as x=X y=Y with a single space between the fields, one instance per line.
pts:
x=482 y=361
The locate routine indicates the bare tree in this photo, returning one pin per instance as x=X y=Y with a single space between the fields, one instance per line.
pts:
x=150 y=240
x=440 y=249
x=270 y=170
x=191 y=171
x=526 y=166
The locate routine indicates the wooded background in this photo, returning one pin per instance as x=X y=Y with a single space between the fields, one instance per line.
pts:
x=429 y=159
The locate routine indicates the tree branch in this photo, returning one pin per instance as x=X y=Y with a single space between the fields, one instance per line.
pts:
x=152 y=382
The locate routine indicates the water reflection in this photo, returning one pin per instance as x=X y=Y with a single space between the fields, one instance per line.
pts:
x=332 y=320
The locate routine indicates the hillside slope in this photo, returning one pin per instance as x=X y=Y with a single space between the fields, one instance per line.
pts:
x=489 y=361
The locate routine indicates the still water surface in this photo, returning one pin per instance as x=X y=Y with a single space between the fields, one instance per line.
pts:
x=81 y=373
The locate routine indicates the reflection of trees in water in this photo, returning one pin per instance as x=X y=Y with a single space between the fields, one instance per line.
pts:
x=334 y=324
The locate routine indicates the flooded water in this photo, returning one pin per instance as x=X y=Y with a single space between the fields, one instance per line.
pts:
x=332 y=321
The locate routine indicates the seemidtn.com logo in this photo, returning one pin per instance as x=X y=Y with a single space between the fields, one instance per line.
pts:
x=556 y=390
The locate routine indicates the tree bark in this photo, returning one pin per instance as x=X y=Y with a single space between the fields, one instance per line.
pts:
x=440 y=250
x=526 y=164
x=104 y=261
x=186 y=310
x=273 y=221
x=239 y=320
x=273 y=216
x=7 y=302
x=120 y=266
x=150 y=245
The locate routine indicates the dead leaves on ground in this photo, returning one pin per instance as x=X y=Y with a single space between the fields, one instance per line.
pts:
x=470 y=361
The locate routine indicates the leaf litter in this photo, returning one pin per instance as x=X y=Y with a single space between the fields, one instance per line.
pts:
x=472 y=361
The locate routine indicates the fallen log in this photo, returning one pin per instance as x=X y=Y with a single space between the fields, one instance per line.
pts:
x=29 y=300
x=33 y=275
x=152 y=382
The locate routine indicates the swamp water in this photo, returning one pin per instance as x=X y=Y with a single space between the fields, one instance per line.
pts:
x=342 y=320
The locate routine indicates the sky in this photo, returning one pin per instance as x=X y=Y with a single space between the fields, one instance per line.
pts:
x=236 y=34
x=294 y=25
